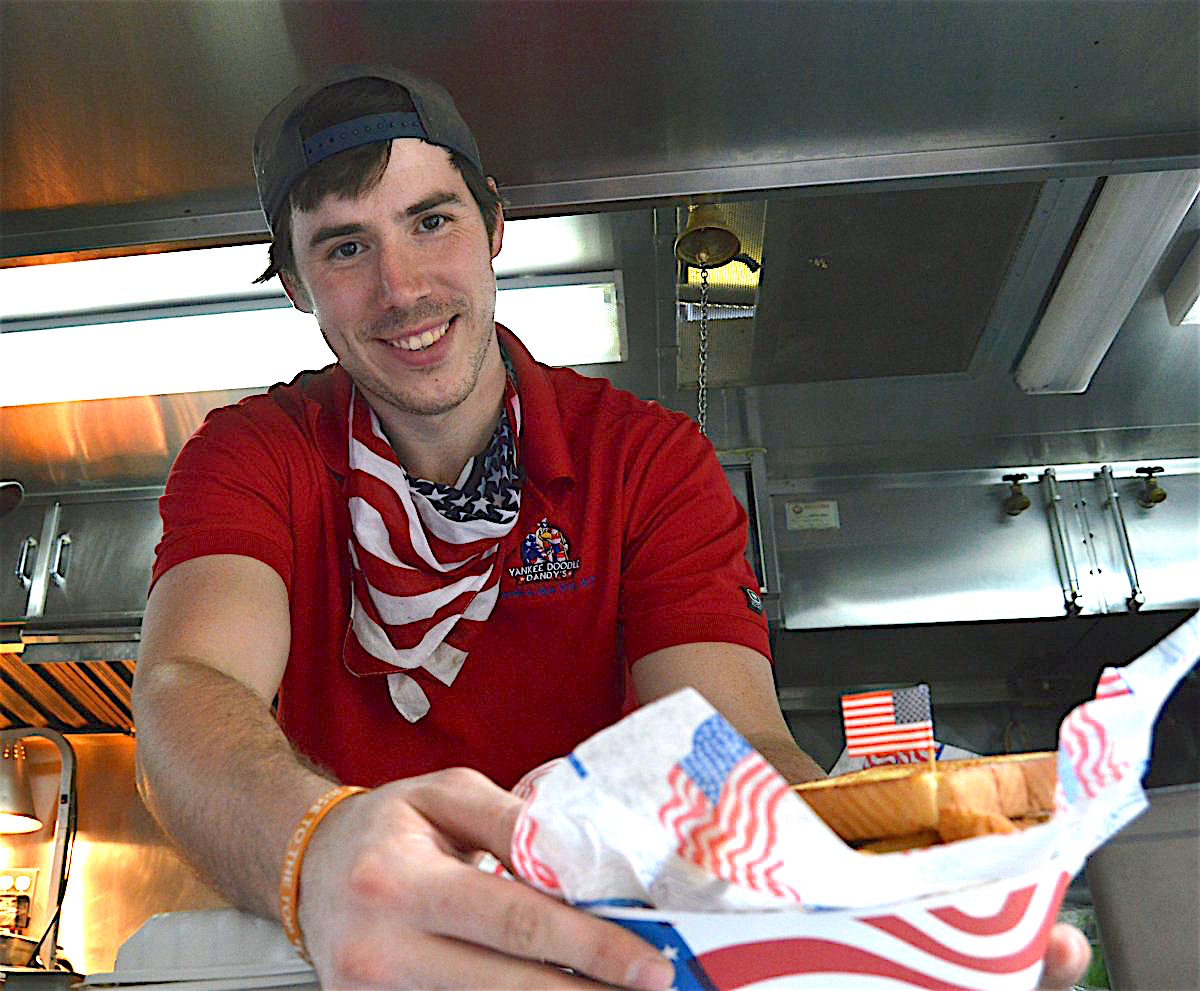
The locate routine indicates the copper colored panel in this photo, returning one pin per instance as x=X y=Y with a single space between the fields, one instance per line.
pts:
x=107 y=443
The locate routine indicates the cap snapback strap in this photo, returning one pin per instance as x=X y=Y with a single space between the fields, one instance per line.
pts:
x=361 y=131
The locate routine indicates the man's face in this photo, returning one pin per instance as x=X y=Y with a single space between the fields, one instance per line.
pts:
x=400 y=281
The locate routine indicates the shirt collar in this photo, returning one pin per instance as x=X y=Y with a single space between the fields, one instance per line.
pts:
x=544 y=454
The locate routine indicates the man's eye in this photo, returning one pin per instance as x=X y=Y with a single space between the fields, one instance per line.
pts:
x=433 y=222
x=347 y=249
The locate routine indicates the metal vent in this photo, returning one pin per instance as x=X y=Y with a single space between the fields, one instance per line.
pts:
x=67 y=696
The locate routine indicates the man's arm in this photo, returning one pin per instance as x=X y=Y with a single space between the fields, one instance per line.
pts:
x=388 y=898
x=212 y=764
x=737 y=682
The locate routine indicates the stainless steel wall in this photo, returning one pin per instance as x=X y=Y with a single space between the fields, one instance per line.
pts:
x=123 y=869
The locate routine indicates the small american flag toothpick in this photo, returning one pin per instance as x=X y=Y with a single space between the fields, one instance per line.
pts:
x=888 y=722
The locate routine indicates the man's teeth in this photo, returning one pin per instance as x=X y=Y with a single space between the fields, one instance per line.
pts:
x=419 y=341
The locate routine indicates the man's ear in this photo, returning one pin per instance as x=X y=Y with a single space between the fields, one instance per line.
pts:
x=498 y=234
x=296 y=292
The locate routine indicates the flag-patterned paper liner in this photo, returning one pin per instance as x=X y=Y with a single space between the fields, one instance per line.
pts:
x=670 y=808
x=990 y=938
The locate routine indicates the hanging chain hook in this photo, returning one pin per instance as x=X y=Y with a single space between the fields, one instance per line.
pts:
x=702 y=372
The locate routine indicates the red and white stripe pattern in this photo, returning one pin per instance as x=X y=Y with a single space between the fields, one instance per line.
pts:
x=1111 y=685
x=990 y=940
x=525 y=861
x=418 y=576
x=886 y=722
x=1089 y=746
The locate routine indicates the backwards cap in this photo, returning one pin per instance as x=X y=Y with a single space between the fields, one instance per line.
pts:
x=281 y=156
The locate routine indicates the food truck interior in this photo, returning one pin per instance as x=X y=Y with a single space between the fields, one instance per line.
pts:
x=949 y=371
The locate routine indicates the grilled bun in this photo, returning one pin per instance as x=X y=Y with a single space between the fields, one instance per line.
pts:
x=953 y=800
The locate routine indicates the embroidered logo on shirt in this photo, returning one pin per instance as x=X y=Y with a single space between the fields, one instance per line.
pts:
x=753 y=600
x=545 y=555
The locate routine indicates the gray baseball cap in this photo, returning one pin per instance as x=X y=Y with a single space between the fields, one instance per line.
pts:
x=281 y=156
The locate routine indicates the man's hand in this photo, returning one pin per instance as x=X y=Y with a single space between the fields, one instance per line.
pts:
x=1067 y=957
x=388 y=899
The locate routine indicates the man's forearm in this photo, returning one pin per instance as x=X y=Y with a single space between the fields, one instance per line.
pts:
x=787 y=758
x=220 y=777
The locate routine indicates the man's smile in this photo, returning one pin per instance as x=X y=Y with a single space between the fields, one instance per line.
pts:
x=421 y=339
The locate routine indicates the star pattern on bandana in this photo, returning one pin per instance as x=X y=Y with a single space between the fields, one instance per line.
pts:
x=492 y=491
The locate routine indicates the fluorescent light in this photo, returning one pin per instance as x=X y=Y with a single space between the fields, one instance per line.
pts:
x=95 y=324
x=1130 y=226
x=1182 y=298
x=566 y=320
x=130 y=281
x=551 y=244
x=249 y=349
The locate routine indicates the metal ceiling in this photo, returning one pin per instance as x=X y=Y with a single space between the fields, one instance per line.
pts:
x=131 y=121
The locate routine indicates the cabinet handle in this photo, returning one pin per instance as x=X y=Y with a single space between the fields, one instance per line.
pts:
x=57 y=573
x=29 y=544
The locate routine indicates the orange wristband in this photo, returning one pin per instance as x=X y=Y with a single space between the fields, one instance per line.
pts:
x=289 y=878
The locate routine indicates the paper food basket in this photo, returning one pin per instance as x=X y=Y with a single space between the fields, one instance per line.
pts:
x=699 y=847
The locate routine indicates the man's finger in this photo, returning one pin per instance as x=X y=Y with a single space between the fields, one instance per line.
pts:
x=1067 y=957
x=466 y=904
x=372 y=958
x=469 y=808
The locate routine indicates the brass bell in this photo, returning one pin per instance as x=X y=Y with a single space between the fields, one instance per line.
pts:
x=1017 y=501
x=1150 y=495
x=706 y=241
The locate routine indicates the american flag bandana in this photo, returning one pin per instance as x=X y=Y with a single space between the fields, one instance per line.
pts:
x=424 y=554
x=888 y=722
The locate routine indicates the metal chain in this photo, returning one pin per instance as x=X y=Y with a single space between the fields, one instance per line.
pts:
x=702 y=374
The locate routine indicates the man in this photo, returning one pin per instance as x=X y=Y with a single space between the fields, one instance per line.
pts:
x=350 y=546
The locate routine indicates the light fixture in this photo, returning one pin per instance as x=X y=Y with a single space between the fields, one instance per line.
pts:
x=16 y=800
x=16 y=809
x=98 y=284
x=1130 y=226
x=574 y=319
x=155 y=340
x=244 y=349
x=1182 y=298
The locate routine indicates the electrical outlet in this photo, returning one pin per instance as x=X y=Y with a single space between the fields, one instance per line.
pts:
x=18 y=881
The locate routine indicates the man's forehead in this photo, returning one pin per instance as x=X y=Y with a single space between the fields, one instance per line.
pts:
x=415 y=169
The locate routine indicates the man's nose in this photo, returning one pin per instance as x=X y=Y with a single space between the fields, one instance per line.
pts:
x=403 y=275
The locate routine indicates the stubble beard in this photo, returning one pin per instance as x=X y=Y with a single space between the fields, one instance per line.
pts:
x=411 y=401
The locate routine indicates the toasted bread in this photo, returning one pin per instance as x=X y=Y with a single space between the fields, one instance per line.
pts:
x=956 y=799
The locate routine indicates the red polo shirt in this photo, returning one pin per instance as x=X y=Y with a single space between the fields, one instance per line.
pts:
x=654 y=543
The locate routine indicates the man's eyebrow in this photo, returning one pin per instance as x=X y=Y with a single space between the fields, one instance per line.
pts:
x=329 y=233
x=432 y=201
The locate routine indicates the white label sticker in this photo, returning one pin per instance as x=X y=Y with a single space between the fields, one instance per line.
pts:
x=822 y=515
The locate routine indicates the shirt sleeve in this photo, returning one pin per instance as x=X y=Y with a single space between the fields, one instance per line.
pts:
x=228 y=492
x=685 y=578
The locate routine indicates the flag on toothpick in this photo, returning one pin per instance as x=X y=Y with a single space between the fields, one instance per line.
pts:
x=888 y=722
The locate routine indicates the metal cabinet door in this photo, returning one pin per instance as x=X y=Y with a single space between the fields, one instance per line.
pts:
x=100 y=561
x=20 y=543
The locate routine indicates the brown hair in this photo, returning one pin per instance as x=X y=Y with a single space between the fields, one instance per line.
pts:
x=357 y=170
